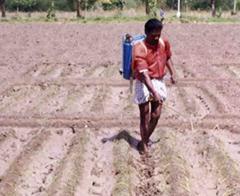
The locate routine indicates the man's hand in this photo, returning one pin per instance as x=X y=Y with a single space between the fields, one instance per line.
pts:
x=173 y=79
x=157 y=97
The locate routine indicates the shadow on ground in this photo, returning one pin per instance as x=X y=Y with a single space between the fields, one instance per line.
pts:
x=125 y=135
x=132 y=141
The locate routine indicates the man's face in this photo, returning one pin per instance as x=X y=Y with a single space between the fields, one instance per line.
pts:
x=153 y=37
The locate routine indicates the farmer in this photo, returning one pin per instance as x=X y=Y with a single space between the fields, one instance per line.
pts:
x=150 y=58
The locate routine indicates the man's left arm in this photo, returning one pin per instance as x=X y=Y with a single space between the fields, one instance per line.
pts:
x=169 y=62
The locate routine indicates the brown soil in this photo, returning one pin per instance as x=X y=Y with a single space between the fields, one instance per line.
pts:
x=68 y=125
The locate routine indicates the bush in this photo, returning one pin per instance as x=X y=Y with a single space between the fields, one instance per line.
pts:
x=43 y=5
x=206 y=4
x=113 y=4
x=70 y=5
x=172 y=4
x=200 y=4
x=133 y=3
x=64 y=5
x=224 y=4
x=39 y=5
x=22 y=5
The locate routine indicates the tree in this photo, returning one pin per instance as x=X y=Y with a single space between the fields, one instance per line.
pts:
x=2 y=8
x=51 y=11
x=213 y=5
x=179 y=7
x=151 y=7
x=147 y=9
x=234 y=7
x=25 y=5
x=79 y=12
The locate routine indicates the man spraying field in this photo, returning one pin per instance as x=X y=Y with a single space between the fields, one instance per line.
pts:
x=150 y=58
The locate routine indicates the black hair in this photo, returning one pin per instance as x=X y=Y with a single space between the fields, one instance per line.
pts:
x=152 y=25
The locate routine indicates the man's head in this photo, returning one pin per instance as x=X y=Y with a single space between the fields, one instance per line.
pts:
x=153 y=28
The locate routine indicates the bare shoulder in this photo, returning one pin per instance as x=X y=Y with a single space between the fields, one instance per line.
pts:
x=166 y=42
x=165 y=39
x=140 y=49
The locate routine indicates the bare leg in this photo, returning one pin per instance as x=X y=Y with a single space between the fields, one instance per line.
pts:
x=144 y=123
x=156 y=108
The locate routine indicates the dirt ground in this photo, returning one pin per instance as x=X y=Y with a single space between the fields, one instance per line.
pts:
x=68 y=124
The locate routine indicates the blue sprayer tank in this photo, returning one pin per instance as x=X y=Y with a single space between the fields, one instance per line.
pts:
x=127 y=46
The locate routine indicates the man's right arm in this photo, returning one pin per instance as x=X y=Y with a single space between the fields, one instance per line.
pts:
x=147 y=81
x=141 y=67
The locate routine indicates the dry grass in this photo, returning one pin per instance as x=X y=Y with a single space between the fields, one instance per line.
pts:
x=173 y=166
x=122 y=169
x=228 y=173
x=225 y=168
x=69 y=172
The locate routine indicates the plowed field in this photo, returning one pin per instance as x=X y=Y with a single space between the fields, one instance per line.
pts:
x=68 y=124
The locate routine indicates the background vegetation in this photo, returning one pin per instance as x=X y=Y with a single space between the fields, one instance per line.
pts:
x=152 y=7
x=70 y=5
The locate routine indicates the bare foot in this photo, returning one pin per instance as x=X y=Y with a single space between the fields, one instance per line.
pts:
x=145 y=148
x=142 y=147
x=150 y=143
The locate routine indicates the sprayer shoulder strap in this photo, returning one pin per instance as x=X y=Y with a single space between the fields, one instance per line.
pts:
x=144 y=46
x=146 y=51
x=133 y=55
x=162 y=42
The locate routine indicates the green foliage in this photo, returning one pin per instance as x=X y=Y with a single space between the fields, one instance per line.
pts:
x=70 y=5
x=64 y=5
x=206 y=4
x=224 y=4
x=219 y=12
x=133 y=3
x=51 y=13
x=152 y=8
x=91 y=4
x=39 y=5
x=107 y=6
x=199 y=4
x=162 y=4
x=113 y=4
x=23 y=5
x=171 y=4
x=43 y=5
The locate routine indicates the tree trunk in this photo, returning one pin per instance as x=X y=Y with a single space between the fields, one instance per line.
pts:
x=234 y=7
x=213 y=3
x=147 y=8
x=2 y=8
x=186 y=5
x=79 y=13
x=179 y=9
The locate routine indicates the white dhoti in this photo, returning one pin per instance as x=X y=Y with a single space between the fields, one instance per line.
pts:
x=142 y=94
